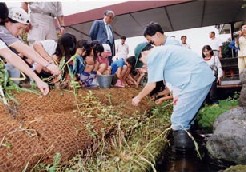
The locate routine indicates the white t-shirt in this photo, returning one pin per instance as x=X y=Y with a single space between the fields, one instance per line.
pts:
x=122 y=51
x=215 y=43
x=2 y=45
x=49 y=46
x=185 y=45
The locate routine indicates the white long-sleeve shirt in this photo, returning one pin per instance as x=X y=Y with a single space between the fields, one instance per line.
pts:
x=214 y=60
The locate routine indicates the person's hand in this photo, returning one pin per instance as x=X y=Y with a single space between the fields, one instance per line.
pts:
x=62 y=30
x=54 y=69
x=219 y=81
x=44 y=88
x=158 y=101
x=240 y=33
x=136 y=100
x=175 y=100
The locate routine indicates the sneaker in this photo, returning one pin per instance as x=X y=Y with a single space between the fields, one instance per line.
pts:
x=182 y=141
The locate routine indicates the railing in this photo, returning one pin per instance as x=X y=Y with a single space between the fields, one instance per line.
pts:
x=230 y=73
x=230 y=68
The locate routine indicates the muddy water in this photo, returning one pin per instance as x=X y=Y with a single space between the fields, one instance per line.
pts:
x=172 y=161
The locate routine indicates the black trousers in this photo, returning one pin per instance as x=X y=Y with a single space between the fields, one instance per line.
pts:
x=212 y=95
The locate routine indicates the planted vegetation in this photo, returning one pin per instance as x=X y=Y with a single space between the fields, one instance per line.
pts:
x=208 y=114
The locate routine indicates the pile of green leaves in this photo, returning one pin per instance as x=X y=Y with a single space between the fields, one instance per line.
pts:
x=208 y=114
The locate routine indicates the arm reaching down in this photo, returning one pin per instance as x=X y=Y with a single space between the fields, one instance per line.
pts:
x=30 y=53
x=17 y=62
x=145 y=91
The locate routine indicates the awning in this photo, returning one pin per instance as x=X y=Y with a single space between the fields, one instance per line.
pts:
x=133 y=16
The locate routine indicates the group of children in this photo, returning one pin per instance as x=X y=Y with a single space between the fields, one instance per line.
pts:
x=92 y=59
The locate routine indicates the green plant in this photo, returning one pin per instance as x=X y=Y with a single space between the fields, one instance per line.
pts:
x=56 y=163
x=208 y=114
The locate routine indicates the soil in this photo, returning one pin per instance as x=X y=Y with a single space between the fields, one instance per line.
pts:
x=45 y=125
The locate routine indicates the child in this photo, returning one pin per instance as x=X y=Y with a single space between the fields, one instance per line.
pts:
x=78 y=65
x=130 y=63
x=88 y=76
x=119 y=68
x=57 y=53
x=103 y=52
x=166 y=95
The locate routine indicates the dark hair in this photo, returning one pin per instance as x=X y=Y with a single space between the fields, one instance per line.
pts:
x=123 y=37
x=146 y=48
x=11 y=20
x=97 y=48
x=207 y=47
x=132 y=61
x=183 y=37
x=86 y=47
x=152 y=28
x=66 y=46
x=4 y=13
x=160 y=86
x=81 y=43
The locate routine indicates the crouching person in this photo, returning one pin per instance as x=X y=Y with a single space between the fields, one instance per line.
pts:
x=12 y=28
x=190 y=77
x=58 y=53
x=13 y=58
x=89 y=75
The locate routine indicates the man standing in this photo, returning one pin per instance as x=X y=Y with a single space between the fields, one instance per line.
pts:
x=183 y=42
x=122 y=49
x=215 y=44
x=101 y=30
x=42 y=16
x=241 y=44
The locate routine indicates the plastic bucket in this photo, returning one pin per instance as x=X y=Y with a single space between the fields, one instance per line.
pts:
x=104 y=81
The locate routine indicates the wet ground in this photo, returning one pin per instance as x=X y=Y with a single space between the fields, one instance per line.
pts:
x=172 y=161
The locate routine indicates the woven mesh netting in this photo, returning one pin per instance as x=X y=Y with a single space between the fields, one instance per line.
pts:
x=50 y=124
